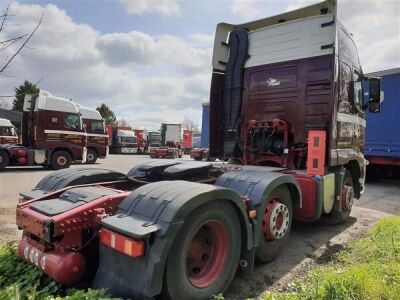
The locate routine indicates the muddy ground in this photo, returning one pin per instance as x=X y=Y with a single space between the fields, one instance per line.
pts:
x=309 y=245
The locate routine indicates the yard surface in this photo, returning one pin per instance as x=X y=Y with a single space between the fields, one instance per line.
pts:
x=309 y=243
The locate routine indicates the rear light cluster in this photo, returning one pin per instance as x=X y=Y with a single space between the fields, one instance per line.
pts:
x=120 y=243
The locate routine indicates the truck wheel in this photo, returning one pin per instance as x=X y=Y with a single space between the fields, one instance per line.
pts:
x=276 y=224
x=91 y=156
x=60 y=160
x=4 y=159
x=205 y=253
x=341 y=210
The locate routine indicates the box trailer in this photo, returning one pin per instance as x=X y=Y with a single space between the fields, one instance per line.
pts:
x=171 y=142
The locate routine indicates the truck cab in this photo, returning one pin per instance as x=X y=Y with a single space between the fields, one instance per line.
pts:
x=52 y=134
x=97 y=138
x=8 y=132
x=153 y=139
x=170 y=143
x=277 y=79
x=124 y=141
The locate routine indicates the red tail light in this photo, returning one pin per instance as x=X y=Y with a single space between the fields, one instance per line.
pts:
x=128 y=246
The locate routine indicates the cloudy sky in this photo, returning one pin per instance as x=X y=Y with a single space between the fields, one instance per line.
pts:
x=150 y=60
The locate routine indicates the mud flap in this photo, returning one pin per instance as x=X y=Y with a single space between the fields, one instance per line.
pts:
x=68 y=177
x=154 y=213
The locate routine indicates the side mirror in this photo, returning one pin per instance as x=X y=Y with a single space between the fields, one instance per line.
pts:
x=375 y=90
x=374 y=107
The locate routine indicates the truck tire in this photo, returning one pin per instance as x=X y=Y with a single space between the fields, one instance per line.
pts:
x=205 y=253
x=276 y=224
x=91 y=156
x=4 y=159
x=341 y=211
x=60 y=160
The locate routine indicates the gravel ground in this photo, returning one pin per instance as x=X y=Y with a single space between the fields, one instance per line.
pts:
x=309 y=245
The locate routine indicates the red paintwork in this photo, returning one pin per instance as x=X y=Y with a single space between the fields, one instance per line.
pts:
x=142 y=143
x=308 y=187
x=187 y=139
x=54 y=120
x=205 y=261
x=278 y=126
x=64 y=267
x=8 y=139
x=316 y=152
x=382 y=160
x=84 y=217
x=199 y=153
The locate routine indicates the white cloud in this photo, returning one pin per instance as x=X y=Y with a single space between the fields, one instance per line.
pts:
x=139 y=76
x=246 y=9
x=202 y=38
x=163 y=7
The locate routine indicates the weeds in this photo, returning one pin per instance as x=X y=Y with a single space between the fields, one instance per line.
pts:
x=369 y=269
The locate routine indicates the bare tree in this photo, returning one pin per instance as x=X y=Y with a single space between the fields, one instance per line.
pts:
x=123 y=123
x=22 y=39
x=189 y=124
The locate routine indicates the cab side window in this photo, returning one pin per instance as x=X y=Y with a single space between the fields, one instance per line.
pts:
x=97 y=126
x=357 y=87
x=344 y=87
x=72 y=121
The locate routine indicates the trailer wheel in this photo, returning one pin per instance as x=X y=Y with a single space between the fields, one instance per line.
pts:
x=276 y=224
x=60 y=160
x=341 y=211
x=4 y=159
x=91 y=156
x=205 y=253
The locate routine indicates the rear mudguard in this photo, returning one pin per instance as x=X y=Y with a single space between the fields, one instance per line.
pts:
x=155 y=213
x=255 y=186
x=67 y=177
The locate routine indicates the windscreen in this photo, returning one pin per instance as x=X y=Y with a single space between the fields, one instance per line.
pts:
x=154 y=137
x=128 y=139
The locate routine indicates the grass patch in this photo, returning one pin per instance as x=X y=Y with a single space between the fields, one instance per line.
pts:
x=368 y=269
x=20 y=281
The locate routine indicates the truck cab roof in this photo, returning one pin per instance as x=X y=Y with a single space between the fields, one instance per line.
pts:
x=89 y=113
x=5 y=123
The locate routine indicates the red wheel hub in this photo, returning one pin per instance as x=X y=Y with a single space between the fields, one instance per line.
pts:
x=206 y=254
x=61 y=160
x=275 y=221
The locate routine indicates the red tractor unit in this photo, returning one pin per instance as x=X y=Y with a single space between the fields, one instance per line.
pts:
x=52 y=134
x=287 y=111
x=170 y=144
x=187 y=141
x=8 y=133
x=141 y=141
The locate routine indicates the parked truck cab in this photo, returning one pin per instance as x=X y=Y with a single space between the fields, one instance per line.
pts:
x=124 y=141
x=277 y=79
x=52 y=134
x=8 y=133
x=97 y=138
x=286 y=109
x=153 y=139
